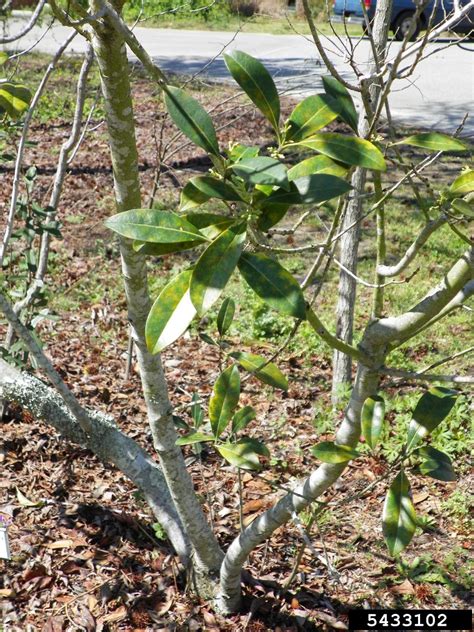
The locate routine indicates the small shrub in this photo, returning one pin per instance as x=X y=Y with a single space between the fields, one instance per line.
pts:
x=245 y=8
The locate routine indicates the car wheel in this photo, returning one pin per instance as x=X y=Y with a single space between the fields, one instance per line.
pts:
x=402 y=25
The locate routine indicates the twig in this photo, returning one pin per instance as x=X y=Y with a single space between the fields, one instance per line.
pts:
x=33 y=20
x=22 y=144
x=44 y=363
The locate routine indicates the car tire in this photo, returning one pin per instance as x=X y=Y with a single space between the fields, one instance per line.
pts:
x=402 y=25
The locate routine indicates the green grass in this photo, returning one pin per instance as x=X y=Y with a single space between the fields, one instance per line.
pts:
x=59 y=98
x=256 y=24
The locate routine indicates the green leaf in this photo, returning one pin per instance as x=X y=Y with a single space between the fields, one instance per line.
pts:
x=348 y=149
x=463 y=184
x=373 y=412
x=210 y=225
x=14 y=98
x=180 y=423
x=336 y=90
x=207 y=339
x=239 y=152
x=461 y=206
x=282 y=197
x=194 y=437
x=316 y=164
x=319 y=188
x=158 y=250
x=171 y=314
x=242 y=418
x=330 y=452
x=192 y=119
x=215 y=266
x=225 y=315
x=399 y=516
x=271 y=215
x=256 y=82
x=151 y=225
x=434 y=141
x=311 y=115
x=224 y=399
x=437 y=464
x=3 y=57
x=434 y=406
x=214 y=188
x=269 y=374
x=197 y=413
x=244 y=453
x=273 y=284
x=262 y=170
x=191 y=197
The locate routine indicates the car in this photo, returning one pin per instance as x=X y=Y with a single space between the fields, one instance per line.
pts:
x=403 y=11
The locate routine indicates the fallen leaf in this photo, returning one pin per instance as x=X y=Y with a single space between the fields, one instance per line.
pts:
x=26 y=502
x=420 y=497
x=166 y=608
x=116 y=615
x=54 y=624
x=59 y=544
x=252 y=505
x=249 y=519
x=7 y=593
x=405 y=588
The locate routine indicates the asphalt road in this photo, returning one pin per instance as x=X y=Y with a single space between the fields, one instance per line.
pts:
x=437 y=95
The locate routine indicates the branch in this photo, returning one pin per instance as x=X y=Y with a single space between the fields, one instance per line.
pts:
x=63 y=162
x=396 y=329
x=458 y=301
x=65 y=152
x=34 y=18
x=133 y=43
x=429 y=377
x=44 y=363
x=301 y=497
x=22 y=144
x=432 y=35
x=104 y=439
x=333 y=341
x=321 y=50
x=412 y=251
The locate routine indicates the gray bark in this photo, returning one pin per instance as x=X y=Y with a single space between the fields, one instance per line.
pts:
x=342 y=363
x=111 y=56
x=304 y=494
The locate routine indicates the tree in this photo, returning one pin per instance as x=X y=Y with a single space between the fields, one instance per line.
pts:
x=257 y=191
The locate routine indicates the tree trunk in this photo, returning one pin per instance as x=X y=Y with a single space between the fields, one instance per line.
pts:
x=110 y=52
x=342 y=364
x=303 y=495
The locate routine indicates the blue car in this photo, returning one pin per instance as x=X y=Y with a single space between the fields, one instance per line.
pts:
x=402 y=13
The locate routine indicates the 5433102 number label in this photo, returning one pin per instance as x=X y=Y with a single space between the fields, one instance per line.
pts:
x=410 y=620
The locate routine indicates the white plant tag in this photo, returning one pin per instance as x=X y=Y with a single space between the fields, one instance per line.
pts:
x=4 y=544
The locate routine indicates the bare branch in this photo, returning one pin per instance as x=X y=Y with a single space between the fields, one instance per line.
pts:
x=396 y=329
x=410 y=254
x=22 y=144
x=45 y=364
x=428 y=377
x=27 y=28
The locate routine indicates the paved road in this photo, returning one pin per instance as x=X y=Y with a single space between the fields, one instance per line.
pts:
x=437 y=96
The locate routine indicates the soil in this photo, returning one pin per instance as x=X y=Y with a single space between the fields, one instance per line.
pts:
x=85 y=555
